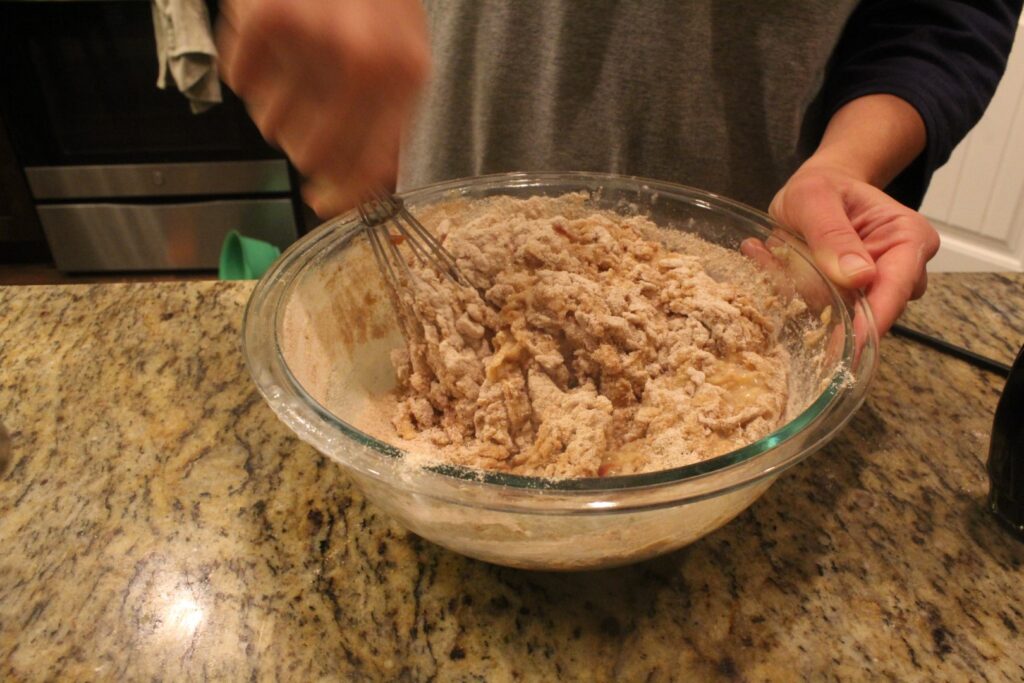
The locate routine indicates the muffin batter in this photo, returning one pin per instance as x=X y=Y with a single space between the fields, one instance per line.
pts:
x=587 y=347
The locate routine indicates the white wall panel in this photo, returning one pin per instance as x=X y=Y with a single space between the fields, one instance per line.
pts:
x=976 y=198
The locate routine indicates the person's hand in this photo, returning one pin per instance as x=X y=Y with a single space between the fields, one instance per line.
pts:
x=332 y=83
x=859 y=236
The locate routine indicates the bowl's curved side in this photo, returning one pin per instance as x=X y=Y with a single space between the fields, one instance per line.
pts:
x=599 y=539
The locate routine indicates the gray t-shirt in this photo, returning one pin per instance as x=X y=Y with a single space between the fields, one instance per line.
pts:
x=710 y=93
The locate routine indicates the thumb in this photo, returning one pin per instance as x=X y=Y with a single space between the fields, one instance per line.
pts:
x=814 y=208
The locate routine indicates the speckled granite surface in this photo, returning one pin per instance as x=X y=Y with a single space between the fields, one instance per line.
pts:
x=157 y=521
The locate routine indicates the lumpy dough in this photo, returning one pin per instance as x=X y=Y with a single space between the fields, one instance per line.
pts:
x=586 y=348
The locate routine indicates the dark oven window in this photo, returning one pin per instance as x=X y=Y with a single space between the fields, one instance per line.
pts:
x=79 y=87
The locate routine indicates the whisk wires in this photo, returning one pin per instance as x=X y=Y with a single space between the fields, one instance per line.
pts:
x=389 y=225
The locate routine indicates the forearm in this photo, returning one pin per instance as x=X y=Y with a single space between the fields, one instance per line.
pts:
x=944 y=57
x=872 y=138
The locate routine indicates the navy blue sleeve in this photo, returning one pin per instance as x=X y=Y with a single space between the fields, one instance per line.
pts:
x=944 y=57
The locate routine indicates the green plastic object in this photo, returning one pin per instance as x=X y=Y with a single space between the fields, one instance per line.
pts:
x=245 y=258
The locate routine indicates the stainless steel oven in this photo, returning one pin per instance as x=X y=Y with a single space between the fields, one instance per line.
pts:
x=123 y=175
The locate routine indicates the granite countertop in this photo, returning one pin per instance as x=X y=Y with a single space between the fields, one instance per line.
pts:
x=158 y=522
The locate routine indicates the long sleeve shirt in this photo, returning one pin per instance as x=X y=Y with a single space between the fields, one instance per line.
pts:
x=945 y=57
x=727 y=96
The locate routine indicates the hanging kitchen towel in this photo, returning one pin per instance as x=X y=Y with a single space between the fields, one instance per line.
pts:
x=185 y=49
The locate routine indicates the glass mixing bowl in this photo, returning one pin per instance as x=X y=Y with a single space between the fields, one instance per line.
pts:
x=319 y=328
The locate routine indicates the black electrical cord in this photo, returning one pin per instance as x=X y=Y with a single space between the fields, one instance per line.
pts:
x=952 y=350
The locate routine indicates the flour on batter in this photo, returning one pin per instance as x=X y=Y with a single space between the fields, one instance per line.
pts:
x=588 y=348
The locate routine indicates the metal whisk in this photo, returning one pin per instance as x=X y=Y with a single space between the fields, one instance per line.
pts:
x=388 y=225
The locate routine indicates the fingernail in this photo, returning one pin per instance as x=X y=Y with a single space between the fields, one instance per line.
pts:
x=853 y=264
